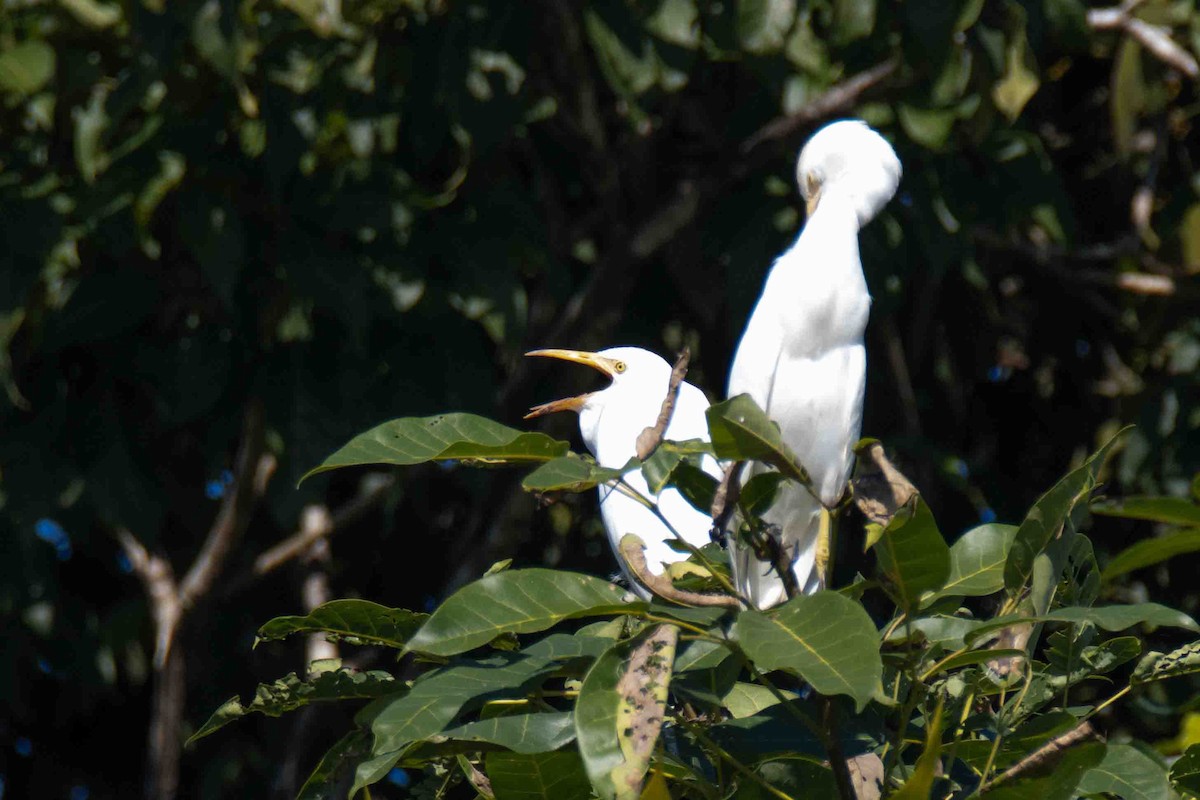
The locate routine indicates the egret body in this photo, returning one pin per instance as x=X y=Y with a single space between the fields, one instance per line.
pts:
x=802 y=357
x=610 y=421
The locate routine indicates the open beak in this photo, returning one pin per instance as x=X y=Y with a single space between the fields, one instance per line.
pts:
x=593 y=360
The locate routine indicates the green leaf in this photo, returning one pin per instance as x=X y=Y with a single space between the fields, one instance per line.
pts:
x=1152 y=551
x=762 y=25
x=456 y=437
x=1185 y=773
x=1171 y=510
x=977 y=561
x=1156 y=666
x=619 y=713
x=1128 y=94
x=852 y=19
x=1019 y=83
x=335 y=766
x=516 y=601
x=759 y=493
x=747 y=699
x=1127 y=772
x=1116 y=618
x=571 y=473
x=353 y=621
x=928 y=127
x=825 y=638
x=521 y=733
x=795 y=777
x=27 y=67
x=741 y=431
x=540 y=776
x=629 y=64
x=290 y=692
x=913 y=556
x=1047 y=516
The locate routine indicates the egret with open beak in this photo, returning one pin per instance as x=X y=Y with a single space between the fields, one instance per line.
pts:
x=802 y=357
x=610 y=420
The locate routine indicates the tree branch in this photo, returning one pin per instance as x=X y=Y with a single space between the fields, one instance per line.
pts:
x=651 y=437
x=1048 y=753
x=1155 y=38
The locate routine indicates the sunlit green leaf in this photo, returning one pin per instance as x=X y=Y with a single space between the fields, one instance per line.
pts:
x=1128 y=773
x=913 y=556
x=353 y=621
x=291 y=692
x=977 y=561
x=516 y=601
x=1019 y=83
x=1160 y=666
x=740 y=430
x=825 y=638
x=521 y=733
x=26 y=67
x=571 y=474
x=445 y=437
x=540 y=776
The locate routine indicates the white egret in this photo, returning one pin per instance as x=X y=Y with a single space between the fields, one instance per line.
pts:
x=610 y=421
x=802 y=357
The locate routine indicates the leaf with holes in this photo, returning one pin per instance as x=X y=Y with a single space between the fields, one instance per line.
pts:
x=353 y=621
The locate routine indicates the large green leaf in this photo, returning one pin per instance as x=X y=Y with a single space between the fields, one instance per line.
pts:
x=741 y=431
x=541 y=776
x=1047 y=516
x=457 y=437
x=572 y=473
x=353 y=621
x=1171 y=510
x=620 y=711
x=521 y=733
x=913 y=556
x=1185 y=773
x=26 y=67
x=1059 y=780
x=291 y=692
x=1160 y=666
x=825 y=638
x=747 y=699
x=1110 y=618
x=1128 y=773
x=1152 y=551
x=977 y=561
x=516 y=601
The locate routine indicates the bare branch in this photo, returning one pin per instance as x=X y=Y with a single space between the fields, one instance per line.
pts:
x=633 y=552
x=158 y=578
x=1045 y=755
x=314 y=527
x=315 y=590
x=880 y=490
x=1155 y=38
x=651 y=437
x=252 y=470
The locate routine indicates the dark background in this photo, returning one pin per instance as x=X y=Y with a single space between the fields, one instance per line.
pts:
x=225 y=224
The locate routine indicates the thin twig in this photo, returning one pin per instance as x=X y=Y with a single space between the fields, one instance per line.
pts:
x=372 y=490
x=1155 y=38
x=1045 y=754
x=651 y=437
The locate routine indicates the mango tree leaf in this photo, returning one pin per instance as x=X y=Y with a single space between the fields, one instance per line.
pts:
x=619 y=713
x=540 y=776
x=290 y=692
x=740 y=431
x=27 y=67
x=516 y=601
x=825 y=638
x=353 y=621
x=458 y=437
x=977 y=561
x=521 y=733
x=1185 y=773
x=572 y=473
x=1127 y=772
x=1047 y=516
x=759 y=492
x=852 y=19
x=747 y=699
x=1158 y=666
x=928 y=127
x=1171 y=510
x=913 y=556
x=1152 y=551
x=1128 y=94
x=325 y=781
x=1110 y=618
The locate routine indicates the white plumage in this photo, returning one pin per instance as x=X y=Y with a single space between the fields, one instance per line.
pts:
x=802 y=357
x=610 y=421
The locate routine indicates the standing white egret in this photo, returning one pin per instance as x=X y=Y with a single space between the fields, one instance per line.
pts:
x=610 y=421
x=802 y=357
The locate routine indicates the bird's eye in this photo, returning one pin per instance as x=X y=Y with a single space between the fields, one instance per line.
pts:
x=619 y=366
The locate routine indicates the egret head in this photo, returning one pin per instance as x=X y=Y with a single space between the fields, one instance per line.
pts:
x=638 y=377
x=850 y=160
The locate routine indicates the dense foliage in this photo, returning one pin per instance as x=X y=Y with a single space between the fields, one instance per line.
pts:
x=235 y=234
